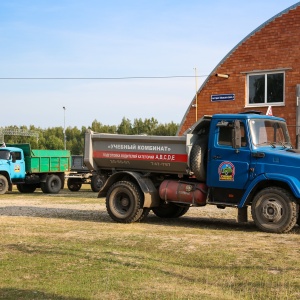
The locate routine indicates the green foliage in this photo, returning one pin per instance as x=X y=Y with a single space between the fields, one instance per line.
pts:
x=53 y=138
x=125 y=127
x=99 y=127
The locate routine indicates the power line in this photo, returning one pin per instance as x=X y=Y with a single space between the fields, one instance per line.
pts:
x=100 y=78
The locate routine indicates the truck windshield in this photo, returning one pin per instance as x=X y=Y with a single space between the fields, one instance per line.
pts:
x=269 y=132
x=4 y=154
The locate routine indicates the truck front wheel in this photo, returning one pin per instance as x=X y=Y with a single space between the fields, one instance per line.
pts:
x=26 y=188
x=3 y=185
x=124 y=202
x=274 y=210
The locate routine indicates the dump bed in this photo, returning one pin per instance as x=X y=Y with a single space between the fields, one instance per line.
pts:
x=161 y=154
x=44 y=161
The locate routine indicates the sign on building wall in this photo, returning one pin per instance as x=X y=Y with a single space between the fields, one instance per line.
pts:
x=222 y=97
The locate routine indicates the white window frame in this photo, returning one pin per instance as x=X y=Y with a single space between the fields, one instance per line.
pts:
x=266 y=89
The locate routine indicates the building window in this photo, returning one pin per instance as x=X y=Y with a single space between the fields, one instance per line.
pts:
x=265 y=89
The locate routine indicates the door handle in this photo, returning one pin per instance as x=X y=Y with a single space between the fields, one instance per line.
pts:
x=216 y=157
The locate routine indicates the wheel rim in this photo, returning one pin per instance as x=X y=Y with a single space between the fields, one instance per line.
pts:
x=2 y=185
x=99 y=183
x=272 y=210
x=122 y=204
x=54 y=183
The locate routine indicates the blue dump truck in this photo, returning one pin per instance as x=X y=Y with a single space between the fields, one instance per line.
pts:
x=30 y=169
x=227 y=160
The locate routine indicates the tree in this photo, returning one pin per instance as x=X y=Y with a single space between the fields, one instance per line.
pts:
x=53 y=143
x=53 y=138
x=150 y=125
x=138 y=126
x=125 y=127
x=169 y=129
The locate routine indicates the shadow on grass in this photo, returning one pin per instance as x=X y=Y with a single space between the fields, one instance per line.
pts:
x=227 y=224
x=102 y=216
x=202 y=222
x=12 y=294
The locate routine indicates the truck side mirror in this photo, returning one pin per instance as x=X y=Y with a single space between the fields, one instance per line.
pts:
x=236 y=139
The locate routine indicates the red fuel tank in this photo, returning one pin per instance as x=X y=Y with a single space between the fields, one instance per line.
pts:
x=183 y=192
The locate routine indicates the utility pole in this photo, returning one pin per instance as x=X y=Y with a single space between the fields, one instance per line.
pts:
x=196 y=95
x=65 y=138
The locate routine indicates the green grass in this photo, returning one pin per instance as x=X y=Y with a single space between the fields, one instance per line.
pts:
x=70 y=249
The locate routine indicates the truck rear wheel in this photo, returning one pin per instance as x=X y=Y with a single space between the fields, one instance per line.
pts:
x=144 y=214
x=184 y=210
x=3 y=185
x=169 y=210
x=52 y=185
x=26 y=188
x=73 y=185
x=197 y=158
x=124 y=202
x=274 y=210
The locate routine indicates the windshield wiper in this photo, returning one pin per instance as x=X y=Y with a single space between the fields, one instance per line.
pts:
x=285 y=144
x=272 y=144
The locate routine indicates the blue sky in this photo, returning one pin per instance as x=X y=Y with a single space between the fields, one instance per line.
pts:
x=113 y=39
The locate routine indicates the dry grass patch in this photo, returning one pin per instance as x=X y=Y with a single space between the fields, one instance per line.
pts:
x=67 y=247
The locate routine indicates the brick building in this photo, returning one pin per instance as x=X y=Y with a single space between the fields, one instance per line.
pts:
x=262 y=70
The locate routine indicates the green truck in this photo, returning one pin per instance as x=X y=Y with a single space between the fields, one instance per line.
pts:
x=30 y=169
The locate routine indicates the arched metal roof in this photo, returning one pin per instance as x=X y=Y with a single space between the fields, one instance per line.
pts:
x=233 y=49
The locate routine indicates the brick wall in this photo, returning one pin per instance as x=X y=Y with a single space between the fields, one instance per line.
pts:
x=275 y=46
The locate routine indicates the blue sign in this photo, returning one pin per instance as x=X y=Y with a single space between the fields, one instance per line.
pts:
x=222 y=97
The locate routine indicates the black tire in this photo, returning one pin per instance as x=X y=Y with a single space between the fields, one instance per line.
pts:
x=62 y=180
x=198 y=158
x=73 y=184
x=124 y=202
x=26 y=188
x=97 y=182
x=144 y=214
x=53 y=184
x=44 y=187
x=298 y=218
x=169 y=210
x=183 y=211
x=274 y=210
x=3 y=185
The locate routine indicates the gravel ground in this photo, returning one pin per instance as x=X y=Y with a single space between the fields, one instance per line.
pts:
x=85 y=205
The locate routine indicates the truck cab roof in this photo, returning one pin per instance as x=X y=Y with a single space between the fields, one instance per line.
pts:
x=202 y=125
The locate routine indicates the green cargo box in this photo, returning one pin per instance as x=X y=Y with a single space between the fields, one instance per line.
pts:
x=45 y=161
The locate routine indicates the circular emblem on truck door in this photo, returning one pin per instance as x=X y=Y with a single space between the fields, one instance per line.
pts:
x=226 y=171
